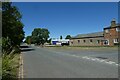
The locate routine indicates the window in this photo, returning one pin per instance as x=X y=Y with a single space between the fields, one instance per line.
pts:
x=116 y=40
x=107 y=31
x=106 y=42
x=78 y=41
x=91 y=40
x=84 y=41
x=117 y=29
x=98 y=41
x=71 y=42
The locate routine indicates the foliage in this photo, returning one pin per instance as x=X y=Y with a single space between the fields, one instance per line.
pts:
x=68 y=37
x=12 y=36
x=39 y=36
x=12 y=27
x=60 y=37
x=9 y=66
x=49 y=41
x=28 y=40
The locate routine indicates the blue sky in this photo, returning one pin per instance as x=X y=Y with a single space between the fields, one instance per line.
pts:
x=63 y=18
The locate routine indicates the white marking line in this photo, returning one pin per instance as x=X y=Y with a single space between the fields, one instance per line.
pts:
x=97 y=59
x=84 y=57
x=21 y=67
x=93 y=59
x=75 y=56
x=87 y=58
x=101 y=60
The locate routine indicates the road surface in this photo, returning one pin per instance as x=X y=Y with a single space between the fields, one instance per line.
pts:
x=55 y=63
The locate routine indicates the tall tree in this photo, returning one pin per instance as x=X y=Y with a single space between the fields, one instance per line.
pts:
x=40 y=35
x=60 y=37
x=28 y=40
x=12 y=27
x=68 y=37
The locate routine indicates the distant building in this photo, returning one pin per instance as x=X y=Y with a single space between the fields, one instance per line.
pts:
x=109 y=37
x=57 y=41
x=90 y=39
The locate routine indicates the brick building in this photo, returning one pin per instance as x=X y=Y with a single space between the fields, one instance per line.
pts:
x=111 y=34
x=109 y=37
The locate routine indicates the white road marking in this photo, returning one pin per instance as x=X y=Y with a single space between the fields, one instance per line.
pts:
x=111 y=62
x=75 y=56
x=100 y=60
x=93 y=59
x=84 y=57
x=87 y=58
x=97 y=59
x=21 y=67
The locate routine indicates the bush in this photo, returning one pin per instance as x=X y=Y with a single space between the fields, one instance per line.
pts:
x=9 y=67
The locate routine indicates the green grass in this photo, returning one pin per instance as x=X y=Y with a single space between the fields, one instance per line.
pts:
x=10 y=65
x=88 y=48
x=0 y=66
x=84 y=46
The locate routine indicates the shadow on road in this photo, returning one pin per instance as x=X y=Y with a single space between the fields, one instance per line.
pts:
x=26 y=48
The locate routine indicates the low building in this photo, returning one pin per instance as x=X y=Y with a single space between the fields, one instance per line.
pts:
x=56 y=41
x=90 y=39
x=109 y=37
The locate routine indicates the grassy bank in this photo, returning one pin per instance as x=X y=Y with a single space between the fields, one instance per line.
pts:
x=10 y=66
x=0 y=66
x=79 y=48
x=83 y=46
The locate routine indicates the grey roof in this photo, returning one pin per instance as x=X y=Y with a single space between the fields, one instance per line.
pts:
x=95 y=34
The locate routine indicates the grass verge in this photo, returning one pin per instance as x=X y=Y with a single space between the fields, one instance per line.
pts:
x=10 y=66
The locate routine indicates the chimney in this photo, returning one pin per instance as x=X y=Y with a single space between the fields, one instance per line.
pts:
x=113 y=23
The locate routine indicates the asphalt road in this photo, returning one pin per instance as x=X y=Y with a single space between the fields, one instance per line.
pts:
x=55 y=63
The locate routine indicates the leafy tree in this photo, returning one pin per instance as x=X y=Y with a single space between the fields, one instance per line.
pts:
x=49 y=41
x=12 y=27
x=28 y=40
x=12 y=36
x=68 y=37
x=40 y=36
x=60 y=37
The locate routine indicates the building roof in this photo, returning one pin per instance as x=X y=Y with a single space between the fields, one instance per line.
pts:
x=109 y=27
x=89 y=35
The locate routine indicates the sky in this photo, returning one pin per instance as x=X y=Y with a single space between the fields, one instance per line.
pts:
x=67 y=18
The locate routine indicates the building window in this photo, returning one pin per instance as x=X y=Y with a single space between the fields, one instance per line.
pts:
x=116 y=40
x=107 y=31
x=84 y=41
x=71 y=42
x=91 y=40
x=106 y=42
x=117 y=29
x=98 y=41
x=78 y=41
